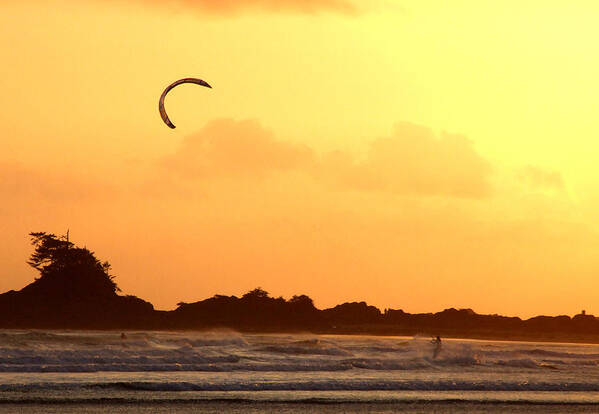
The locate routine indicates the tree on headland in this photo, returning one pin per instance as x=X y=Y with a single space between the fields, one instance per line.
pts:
x=62 y=263
x=302 y=300
x=74 y=290
x=256 y=294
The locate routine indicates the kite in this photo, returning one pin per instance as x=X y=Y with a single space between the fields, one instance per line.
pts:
x=163 y=114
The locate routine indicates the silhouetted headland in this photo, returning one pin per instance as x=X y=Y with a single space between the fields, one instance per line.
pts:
x=76 y=291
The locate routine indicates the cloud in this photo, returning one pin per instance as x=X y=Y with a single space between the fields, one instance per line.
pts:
x=541 y=178
x=414 y=161
x=226 y=147
x=228 y=7
x=21 y=182
x=411 y=161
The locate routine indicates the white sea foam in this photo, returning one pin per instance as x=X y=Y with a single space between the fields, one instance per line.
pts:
x=231 y=362
x=106 y=351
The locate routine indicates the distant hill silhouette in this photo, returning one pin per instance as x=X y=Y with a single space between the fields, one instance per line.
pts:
x=255 y=310
x=76 y=291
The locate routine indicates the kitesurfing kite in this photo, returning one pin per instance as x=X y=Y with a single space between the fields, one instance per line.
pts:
x=166 y=91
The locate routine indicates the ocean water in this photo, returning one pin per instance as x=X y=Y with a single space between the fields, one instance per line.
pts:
x=228 y=372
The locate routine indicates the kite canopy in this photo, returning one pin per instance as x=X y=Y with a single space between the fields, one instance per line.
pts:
x=163 y=114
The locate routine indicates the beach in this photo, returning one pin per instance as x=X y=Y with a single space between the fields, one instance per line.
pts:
x=255 y=408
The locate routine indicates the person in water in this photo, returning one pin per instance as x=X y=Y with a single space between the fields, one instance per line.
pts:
x=437 y=342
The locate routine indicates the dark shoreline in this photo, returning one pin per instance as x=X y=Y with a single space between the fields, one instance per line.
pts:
x=75 y=290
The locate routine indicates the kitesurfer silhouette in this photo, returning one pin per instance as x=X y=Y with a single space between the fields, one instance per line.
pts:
x=437 y=342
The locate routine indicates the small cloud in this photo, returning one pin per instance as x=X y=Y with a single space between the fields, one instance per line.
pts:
x=231 y=7
x=541 y=178
x=414 y=161
x=227 y=147
x=17 y=180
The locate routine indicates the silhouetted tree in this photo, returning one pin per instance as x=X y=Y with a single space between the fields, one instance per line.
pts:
x=60 y=261
x=302 y=301
x=256 y=294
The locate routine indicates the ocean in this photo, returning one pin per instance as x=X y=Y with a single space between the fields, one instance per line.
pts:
x=228 y=372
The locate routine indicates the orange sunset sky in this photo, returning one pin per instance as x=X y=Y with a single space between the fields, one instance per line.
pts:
x=414 y=154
